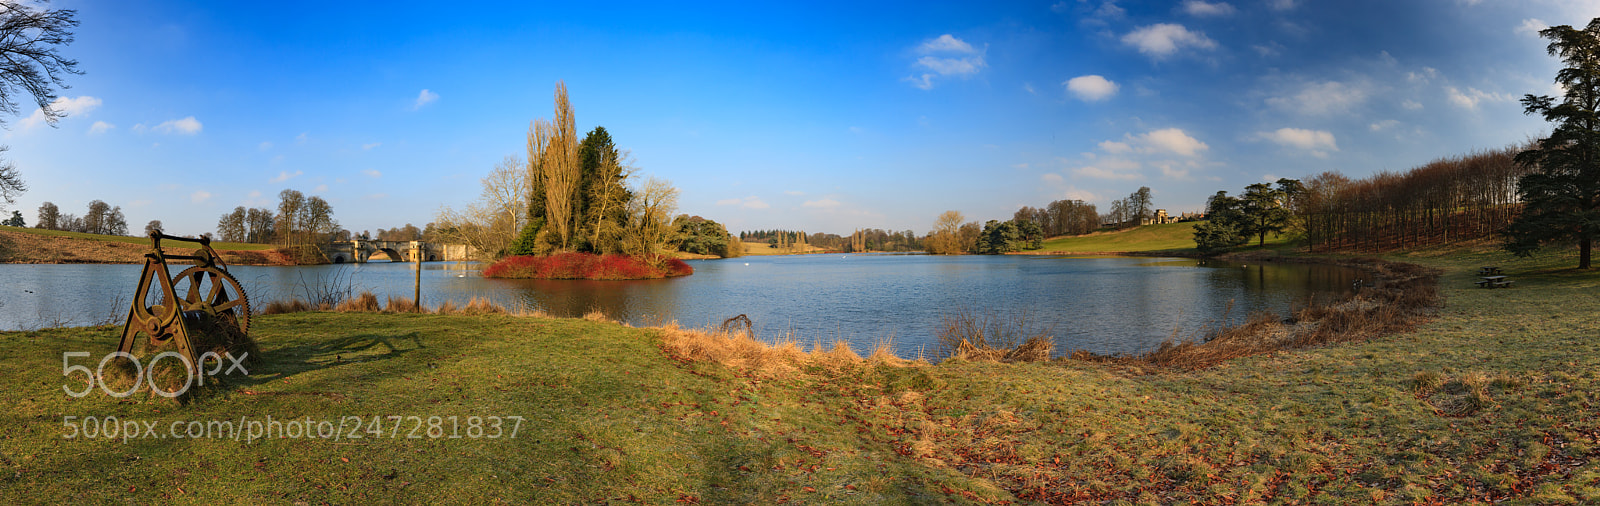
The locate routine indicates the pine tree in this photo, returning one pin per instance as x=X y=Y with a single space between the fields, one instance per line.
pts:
x=1561 y=201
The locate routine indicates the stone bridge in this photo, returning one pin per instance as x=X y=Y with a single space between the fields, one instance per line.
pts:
x=362 y=251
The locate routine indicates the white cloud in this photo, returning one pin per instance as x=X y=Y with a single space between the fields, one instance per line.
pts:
x=373 y=173
x=302 y=138
x=1164 y=39
x=1383 y=125
x=946 y=56
x=424 y=98
x=1203 y=9
x=321 y=188
x=1091 y=88
x=951 y=66
x=751 y=202
x=199 y=196
x=824 y=203
x=1100 y=173
x=1422 y=76
x=1271 y=48
x=1115 y=148
x=370 y=146
x=1172 y=140
x=1322 y=98
x=265 y=145
x=1317 y=142
x=1028 y=87
x=1050 y=177
x=1282 y=5
x=1411 y=105
x=1109 y=9
x=946 y=42
x=1531 y=26
x=1172 y=171
x=65 y=106
x=100 y=127
x=285 y=176
x=924 y=82
x=1472 y=97
x=185 y=126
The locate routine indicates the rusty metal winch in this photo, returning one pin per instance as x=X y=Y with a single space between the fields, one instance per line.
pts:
x=210 y=295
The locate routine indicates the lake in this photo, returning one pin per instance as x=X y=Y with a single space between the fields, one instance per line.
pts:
x=1101 y=304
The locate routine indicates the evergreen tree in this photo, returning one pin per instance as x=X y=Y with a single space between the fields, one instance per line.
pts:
x=1561 y=200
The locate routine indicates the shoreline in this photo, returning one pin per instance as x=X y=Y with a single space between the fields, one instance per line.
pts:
x=1417 y=416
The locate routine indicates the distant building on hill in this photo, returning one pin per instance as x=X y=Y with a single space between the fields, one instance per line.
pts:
x=1160 y=218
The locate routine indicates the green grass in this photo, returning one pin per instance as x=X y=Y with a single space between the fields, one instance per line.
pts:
x=607 y=417
x=132 y=240
x=1171 y=236
x=1174 y=237
x=1497 y=397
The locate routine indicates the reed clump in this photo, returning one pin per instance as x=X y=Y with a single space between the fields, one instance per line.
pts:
x=368 y=303
x=736 y=347
x=401 y=305
x=364 y=303
x=989 y=336
x=482 y=306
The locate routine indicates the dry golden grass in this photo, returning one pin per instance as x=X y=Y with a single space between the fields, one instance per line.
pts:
x=448 y=307
x=285 y=307
x=401 y=305
x=364 y=303
x=480 y=306
x=741 y=351
x=368 y=303
x=596 y=315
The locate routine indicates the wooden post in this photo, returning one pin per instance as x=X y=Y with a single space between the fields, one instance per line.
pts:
x=416 y=253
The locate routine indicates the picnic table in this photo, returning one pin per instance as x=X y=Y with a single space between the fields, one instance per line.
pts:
x=1489 y=271
x=1495 y=282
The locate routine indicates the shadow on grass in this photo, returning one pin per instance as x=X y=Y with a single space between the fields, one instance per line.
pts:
x=281 y=363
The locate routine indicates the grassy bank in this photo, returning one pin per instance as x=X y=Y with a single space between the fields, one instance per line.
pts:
x=32 y=245
x=1170 y=237
x=1495 y=398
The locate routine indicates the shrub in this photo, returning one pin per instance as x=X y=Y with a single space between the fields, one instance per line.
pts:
x=586 y=266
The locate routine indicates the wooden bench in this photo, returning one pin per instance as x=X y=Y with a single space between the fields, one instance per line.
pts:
x=1495 y=282
x=1489 y=271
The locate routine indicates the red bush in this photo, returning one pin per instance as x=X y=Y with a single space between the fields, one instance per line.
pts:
x=584 y=266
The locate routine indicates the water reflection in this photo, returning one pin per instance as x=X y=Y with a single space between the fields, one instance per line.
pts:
x=1105 y=305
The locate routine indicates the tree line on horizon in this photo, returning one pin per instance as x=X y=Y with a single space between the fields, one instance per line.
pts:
x=1530 y=196
x=100 y=218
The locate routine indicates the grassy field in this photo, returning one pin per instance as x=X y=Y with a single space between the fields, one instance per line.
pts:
x=1167 y=237
x=764 y=249
x=141 y=240
x=1496 y=398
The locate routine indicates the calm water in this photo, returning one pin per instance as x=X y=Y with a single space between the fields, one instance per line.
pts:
x=1098 y=304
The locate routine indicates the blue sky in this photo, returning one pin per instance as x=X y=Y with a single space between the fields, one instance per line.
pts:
x=822 y=117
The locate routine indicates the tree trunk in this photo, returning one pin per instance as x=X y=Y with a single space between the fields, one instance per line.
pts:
x=1585 y=250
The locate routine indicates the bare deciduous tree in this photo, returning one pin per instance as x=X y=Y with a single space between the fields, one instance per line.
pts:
x=490 y=224
x=29 y=39
x=650 y=213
